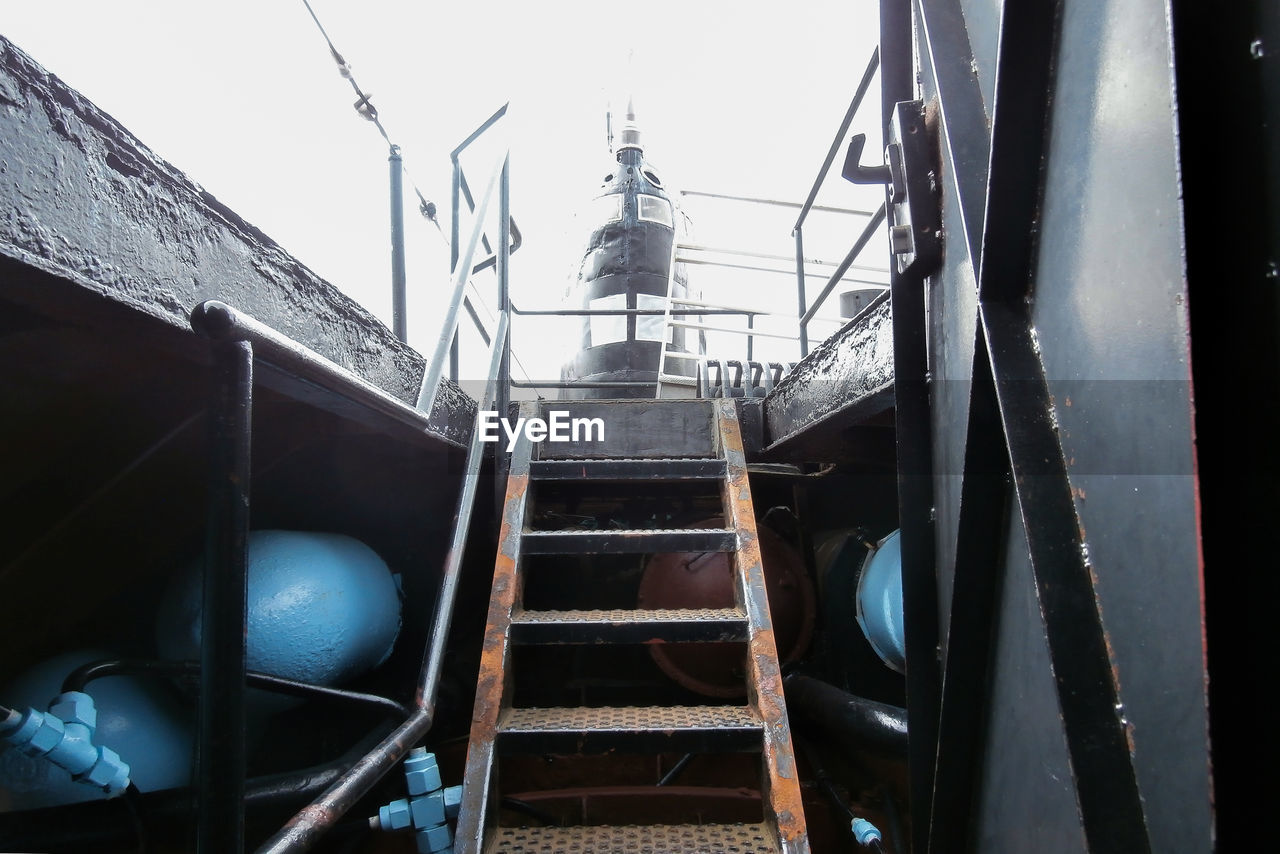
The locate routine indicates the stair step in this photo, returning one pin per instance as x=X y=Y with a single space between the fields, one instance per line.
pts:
x=643 y=541
x=633 y=839
x=629 y=626
x=693 y=729
x=652 y=469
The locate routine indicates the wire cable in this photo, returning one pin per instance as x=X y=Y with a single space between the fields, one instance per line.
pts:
x=364 y=106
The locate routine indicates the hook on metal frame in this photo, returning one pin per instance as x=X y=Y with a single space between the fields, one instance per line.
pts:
x=855 y=172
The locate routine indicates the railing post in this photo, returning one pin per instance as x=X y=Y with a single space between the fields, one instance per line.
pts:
x=504 y=292
x=399 y=321
x=220 y=755
x=455 y=201
x=804 y=324
x=502 y=394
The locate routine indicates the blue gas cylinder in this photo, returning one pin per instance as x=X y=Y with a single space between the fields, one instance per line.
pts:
x=322 y=608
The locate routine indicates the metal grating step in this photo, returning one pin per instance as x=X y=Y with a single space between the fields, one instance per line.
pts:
x=631 y=542
x=638 y=839
x=629 y=728
x=629 y=626
x=644 y=469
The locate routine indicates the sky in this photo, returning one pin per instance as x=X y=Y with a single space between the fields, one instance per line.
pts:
x=735 y=98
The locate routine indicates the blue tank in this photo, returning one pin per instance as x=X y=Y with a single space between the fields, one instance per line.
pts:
x=880 y=602
x=322 y=608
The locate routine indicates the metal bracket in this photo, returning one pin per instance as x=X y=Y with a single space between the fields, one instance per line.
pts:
x=914 y=214
x=855 y=172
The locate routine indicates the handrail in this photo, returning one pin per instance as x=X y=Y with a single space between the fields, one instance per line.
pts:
x=777 y=202
x=461 y=189
x=461 y=272
x=863 y=85
x=858 y=245
x=816 y=262
x=305 y=828
x=805 y=311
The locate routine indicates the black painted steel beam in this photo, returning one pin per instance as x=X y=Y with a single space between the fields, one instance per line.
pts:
x=915 y=458
x=1093 y=718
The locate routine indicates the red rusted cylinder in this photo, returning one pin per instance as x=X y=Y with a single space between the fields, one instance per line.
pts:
x=705 y=580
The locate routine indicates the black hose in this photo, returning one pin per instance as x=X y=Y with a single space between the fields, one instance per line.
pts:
x=855 y=723
x=676 y=770
x=526 y=808
x=133 y=801
x=82 y=676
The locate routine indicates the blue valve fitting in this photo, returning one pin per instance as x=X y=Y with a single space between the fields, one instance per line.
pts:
x=864 y=831
x=64 y=736
x=428 y=807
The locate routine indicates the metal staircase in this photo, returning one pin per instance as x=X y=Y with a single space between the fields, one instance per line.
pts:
x=701 y=441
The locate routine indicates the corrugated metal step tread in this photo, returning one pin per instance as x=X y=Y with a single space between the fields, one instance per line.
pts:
x=628 y=718
x=632 y=839
x=629 y=729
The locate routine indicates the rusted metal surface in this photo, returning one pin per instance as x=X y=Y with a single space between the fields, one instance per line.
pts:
x=629 y=839
x=784 y=808
x=643 y=541
x=659 y=625
x=476 y=815
x=706 y=580
x=638 y=729
x=629 y=469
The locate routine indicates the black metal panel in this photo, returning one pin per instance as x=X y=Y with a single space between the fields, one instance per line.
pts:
x=982 y=27
x=1091 y=372
x=952 y=291
x=1228 y=77
x=1026 y=801
x=1111 y=317
x=971 y=612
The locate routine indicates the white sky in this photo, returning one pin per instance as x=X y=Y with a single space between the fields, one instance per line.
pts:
x=740 y=98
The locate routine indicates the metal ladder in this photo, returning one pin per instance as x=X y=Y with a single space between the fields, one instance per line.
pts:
x=758 y=725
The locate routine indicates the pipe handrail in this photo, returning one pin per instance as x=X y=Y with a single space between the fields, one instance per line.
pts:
x=807 y=312
x=777 y=202
x=815 y=262
x=435 y=366
x=858 y=246
x=301 y=832
x=863 y=85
